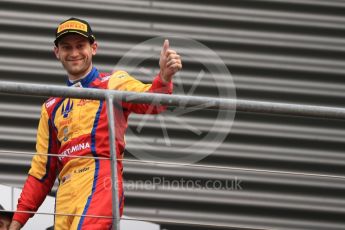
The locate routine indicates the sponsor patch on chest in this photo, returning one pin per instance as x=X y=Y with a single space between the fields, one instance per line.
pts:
x=74 y=149
x=50 y=103
x=81 y=170
x=83 y=102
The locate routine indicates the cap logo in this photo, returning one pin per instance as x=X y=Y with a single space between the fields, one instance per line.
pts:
x=76 y=25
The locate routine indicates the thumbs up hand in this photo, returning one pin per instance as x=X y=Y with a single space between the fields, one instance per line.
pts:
x=169 y=62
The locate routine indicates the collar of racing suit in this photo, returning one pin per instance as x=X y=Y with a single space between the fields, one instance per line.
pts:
x=85 y=81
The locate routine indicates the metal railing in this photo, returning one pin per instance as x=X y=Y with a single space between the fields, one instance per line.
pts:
x=176 y=100
x=171 y=100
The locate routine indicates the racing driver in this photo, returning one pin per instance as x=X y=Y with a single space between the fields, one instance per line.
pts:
x=78 y=127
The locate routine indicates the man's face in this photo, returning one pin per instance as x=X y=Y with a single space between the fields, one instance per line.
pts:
x=75 y=53
x=4 y=222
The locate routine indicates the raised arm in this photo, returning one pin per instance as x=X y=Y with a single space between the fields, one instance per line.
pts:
x=169 y=62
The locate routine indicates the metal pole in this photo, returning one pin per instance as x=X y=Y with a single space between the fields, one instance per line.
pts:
x=176 y=100
x=113 y=163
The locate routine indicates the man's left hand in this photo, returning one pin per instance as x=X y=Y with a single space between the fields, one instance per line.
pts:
x=169 y=62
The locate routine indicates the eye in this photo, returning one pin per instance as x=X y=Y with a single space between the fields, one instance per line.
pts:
x=80 y=46
x=65 y=47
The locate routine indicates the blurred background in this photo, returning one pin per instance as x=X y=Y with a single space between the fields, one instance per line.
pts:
x=282 y=172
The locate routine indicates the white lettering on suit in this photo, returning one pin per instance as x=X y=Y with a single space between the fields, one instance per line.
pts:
x=74 y=148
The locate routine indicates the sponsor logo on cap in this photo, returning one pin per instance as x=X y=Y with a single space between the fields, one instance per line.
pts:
x=72 y=25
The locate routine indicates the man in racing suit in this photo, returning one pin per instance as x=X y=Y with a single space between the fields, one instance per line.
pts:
x=78 y=127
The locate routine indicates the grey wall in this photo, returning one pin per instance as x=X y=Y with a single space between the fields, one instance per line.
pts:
x=290 y=168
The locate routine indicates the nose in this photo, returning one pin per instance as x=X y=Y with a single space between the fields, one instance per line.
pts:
x=74 y=52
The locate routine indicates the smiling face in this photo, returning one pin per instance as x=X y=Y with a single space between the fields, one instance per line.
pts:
x=75 y=53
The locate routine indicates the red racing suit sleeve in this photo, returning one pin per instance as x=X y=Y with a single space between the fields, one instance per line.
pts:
x=121 y=80
x=42 y=173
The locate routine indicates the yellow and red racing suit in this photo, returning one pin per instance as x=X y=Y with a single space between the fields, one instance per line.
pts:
x=78 y=127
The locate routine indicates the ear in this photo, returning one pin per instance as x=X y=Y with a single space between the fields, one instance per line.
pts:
x=56 y=51
x=94 y=48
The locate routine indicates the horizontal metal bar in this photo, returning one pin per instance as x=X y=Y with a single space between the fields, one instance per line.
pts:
x=236 y=169
x=191 y=223
x=161 y=163
x=3 y=152
x=57 y=214
x=133 y=219
x=175 y=100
